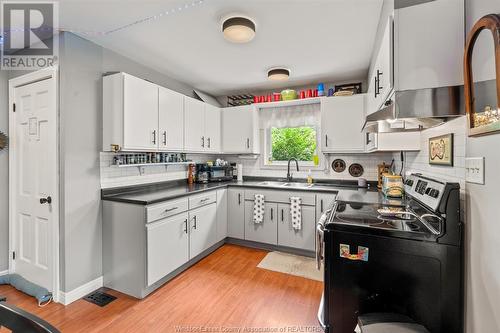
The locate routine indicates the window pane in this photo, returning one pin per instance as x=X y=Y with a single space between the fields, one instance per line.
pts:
x=293 y=142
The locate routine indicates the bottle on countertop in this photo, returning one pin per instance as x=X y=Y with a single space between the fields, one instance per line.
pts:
x=309 y=177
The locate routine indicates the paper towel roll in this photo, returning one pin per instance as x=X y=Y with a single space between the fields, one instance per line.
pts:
x=239 y=168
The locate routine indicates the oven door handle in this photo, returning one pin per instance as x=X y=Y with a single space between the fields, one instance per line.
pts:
x=320 y=232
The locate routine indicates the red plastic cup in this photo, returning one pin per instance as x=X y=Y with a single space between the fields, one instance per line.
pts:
x=315 y=92
x=302 y=94
x=256 y=99
x=262 y=99
x=269 y=98
x=277 y=97
x=309 y=93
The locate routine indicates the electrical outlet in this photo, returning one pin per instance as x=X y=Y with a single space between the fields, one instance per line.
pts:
x=474 y=170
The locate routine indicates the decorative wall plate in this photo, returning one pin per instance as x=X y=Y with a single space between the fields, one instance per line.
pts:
x=356 y=170
x=338 y=165
x=4 y=141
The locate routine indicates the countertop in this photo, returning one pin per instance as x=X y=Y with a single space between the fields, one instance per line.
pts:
x=146 y=195
x=150 y=194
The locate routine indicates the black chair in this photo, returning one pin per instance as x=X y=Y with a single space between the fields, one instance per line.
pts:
x=20 y=321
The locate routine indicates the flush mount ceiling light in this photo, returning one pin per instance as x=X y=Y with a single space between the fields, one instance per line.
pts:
x=278 y=74
x=238 y=29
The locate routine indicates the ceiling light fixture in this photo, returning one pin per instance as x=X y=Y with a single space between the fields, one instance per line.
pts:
x=238 y=29
x=278 y=74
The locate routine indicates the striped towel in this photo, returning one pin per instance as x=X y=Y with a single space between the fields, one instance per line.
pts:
x=296 y=212
x=258 y=208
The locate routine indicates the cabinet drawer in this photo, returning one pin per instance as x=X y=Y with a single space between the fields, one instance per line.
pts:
x=282 y=196
x=166 y=209
x=202 y=199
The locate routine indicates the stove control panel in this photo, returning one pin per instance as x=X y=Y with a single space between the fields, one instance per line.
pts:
x=425 y=190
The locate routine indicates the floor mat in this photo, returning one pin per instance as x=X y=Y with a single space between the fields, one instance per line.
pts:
x=292 y=264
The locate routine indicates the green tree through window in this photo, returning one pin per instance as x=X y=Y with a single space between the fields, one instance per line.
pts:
x=293 y=142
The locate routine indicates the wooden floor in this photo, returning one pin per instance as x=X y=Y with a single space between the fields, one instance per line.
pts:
x=224 y=290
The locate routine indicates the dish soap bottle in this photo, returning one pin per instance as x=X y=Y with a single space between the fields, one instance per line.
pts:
x=309 y=177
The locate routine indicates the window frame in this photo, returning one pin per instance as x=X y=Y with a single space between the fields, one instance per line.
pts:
x=267 y=149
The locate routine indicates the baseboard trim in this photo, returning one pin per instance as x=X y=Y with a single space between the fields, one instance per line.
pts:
x=4 y=272
x=69 y=297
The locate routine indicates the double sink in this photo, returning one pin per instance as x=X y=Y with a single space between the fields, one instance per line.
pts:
x=283 y=184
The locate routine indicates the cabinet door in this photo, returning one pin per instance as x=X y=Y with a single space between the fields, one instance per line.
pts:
x=385 y=65
x=167 y=246
x=203 y=226
x=237 y=129
x=140 y=114
x=323 y=201
x=171 y=120
x=212 y=128
x=265 y=232
x=342 y=120
x=290 y=237
x=194 y=125
x=236 y=213
x=221 y=214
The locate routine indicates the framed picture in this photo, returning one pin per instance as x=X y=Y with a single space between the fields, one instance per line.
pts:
x=441 y=150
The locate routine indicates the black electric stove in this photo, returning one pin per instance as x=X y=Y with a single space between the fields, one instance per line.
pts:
x=401 y=258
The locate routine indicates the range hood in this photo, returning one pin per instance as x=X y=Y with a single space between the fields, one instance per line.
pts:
x=414 y=110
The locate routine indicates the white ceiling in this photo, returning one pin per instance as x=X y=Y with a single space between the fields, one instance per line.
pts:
x=329 y=40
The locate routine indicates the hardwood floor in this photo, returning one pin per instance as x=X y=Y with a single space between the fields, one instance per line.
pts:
x=224 y=290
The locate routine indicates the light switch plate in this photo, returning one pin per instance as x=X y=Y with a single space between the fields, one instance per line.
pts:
x=474 y=170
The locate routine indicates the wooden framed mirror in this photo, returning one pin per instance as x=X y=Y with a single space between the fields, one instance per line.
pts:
x=482 y=76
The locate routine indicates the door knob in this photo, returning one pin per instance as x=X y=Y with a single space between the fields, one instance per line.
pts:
x=46 y=200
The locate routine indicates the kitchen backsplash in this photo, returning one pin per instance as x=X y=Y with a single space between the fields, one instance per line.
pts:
x=113 y=176
x=419 y=161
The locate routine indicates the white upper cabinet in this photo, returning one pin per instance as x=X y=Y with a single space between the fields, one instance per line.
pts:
x=342 y=120
x=130 y=113
x=213 y=128
x=240 y=134
x=202 y=126
x=397 y=141
x=194 y=120
x=171 y=120
x=421 y=47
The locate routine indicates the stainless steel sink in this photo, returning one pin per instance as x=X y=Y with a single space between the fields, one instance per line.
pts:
x=298 y=185
x=272 y=184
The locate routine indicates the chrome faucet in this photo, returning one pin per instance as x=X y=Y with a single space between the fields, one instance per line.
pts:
x=289 y=176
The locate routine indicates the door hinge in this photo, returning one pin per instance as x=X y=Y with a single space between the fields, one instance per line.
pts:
x=14 y=255
x=14 y=107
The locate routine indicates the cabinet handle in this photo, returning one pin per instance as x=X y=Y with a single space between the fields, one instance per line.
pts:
x=195 y=222
x=186 y=226
x=282 y=215
x=239 y=199
x=164 y=138
x=321 y=205
x=379 y=74
x=326 y=140
x=154 y=137
x=203 y=142
x=272 y=211
x=209 y=140
x=171 y=209
x=376 y=83
x=248 y=143
x=204 y=200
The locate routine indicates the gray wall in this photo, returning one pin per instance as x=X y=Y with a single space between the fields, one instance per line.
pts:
x=483 y=224
x=4 y=174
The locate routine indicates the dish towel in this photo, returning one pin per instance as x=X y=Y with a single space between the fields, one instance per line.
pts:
x=258 y=208
x=296 y=212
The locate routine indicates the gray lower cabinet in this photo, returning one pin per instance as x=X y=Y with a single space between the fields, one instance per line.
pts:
x=167 y=246
x=323 y=201
x=203 y=225
x=236 y=213
x=265 y=232
x=290 y=237
x=221 y=214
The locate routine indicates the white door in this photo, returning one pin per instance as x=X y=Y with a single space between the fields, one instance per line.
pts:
x=194 y=120
x=171 y=120
x=140 y=114
x=34 y=181
x=213 y=128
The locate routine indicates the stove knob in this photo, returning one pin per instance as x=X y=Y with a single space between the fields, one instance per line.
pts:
x=435 y=193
